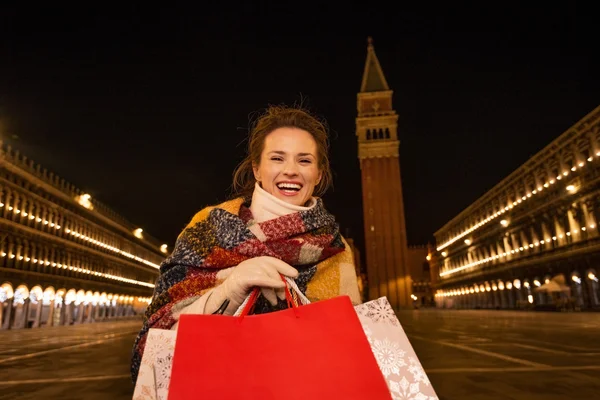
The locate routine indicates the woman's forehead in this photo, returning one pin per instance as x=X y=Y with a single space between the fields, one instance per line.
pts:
x=290 y=140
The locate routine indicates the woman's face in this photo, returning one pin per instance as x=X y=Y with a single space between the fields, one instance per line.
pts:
x=288 y=166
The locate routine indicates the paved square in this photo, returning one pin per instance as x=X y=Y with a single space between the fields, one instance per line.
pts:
x=468 y=354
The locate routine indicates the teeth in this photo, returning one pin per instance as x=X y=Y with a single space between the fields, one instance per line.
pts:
x=289 y=186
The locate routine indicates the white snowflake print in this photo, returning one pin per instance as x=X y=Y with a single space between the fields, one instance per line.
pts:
x=379 y=310
x=368 y=334
x=417 y=371
x=404 y=390
x=163 y=367
x=389 y=356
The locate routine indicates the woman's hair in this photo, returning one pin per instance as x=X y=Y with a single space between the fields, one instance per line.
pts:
x=273 y=118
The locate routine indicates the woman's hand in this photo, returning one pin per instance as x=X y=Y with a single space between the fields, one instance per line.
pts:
x=262 y=272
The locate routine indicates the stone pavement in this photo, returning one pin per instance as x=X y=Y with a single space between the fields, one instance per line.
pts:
x=89 y=361
x=489 y=354
x=467 y=354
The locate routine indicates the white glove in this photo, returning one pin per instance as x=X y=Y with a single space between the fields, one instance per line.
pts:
x=262 y=272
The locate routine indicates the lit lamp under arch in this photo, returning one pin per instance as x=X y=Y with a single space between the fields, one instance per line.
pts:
x=517 y=284
x=48 y=296
x=21 y=294
x=6 y=292
x=36 y=294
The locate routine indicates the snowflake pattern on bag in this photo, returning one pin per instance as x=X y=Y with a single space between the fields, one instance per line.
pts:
x=162 y=368
x=378 y=310
x=395 y=356
x=155 y=368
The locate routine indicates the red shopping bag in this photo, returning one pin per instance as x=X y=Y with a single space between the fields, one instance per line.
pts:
x=316 y=351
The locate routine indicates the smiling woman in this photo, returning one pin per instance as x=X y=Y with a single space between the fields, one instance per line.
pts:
x=281 y=138
x=277 y=225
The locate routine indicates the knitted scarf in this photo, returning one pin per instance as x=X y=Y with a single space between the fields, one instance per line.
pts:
x=219 y=238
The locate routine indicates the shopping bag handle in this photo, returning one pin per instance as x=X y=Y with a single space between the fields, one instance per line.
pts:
x=292 y=299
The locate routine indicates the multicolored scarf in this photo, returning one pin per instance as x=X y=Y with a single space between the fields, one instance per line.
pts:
x=219 y=238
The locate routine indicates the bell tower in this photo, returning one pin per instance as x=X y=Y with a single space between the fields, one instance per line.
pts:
x=383 y=206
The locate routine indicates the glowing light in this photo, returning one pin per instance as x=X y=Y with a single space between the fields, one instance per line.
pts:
x=85 y=200
x=138 y=233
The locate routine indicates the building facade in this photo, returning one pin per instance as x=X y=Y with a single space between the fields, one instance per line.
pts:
x=531 y=241
x=64 y=257
x=383 y=205
x=418 y=258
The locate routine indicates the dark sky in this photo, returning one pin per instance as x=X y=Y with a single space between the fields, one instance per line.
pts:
x=146 y=108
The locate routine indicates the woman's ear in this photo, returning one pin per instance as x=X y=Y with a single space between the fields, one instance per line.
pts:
x=256 y=172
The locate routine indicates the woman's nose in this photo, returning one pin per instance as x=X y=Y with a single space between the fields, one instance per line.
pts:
x=290 y=168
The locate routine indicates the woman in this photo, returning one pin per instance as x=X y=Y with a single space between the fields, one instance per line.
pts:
x=276 y=226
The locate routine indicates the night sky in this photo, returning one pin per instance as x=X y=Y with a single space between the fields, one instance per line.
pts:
x=147 y=108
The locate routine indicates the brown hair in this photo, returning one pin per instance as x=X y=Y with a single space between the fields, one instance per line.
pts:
x=273 y=118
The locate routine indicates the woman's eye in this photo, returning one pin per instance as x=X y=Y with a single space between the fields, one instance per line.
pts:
x=305 y=161
x=276 y=158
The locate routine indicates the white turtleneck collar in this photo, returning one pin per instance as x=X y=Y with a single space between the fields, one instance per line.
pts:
x=265 y=206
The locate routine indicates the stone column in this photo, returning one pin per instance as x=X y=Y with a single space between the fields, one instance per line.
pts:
x=90 y=313
x=62 y=319
x=50 y=320
x=524 y=241
x=38 y=314
x=510 y=298
x=534 y=238
x=25 y=316
x=589 y=221
x=559 y=232
x=573 y=227
x=507 y=247
x=500 y=250
x=469 y=257
x=547 y=236
x=68 y=316
x=80 y=309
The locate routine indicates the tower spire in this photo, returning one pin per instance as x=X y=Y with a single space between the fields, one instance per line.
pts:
x=383 y=205
x=373 y=79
